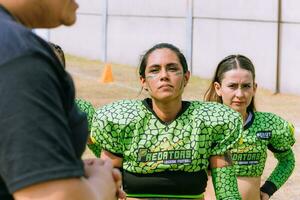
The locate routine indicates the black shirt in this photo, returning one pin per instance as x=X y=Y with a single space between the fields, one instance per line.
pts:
x=43 y=135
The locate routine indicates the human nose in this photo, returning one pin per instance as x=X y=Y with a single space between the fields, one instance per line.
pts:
x=164 y=74
x=239 y=92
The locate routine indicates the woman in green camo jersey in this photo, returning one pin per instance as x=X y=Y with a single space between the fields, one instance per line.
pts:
x=234 y=85
x=164 y=144
x=88 y=108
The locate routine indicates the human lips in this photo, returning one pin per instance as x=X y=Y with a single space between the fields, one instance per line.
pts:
x=165 y=86
x=238 y=102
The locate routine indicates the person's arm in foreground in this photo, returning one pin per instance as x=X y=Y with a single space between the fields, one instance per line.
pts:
x=102 y=142
x=100 y=182
x=117 y=163
x=283 y=170
x=281 y=145
x=224 y=178
x=224 y=139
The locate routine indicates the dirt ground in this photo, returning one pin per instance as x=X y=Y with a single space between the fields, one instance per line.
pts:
x=87 y=75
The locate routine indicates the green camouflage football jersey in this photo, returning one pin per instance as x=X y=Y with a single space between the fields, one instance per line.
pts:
x=131 y=130
x=264 y=131
x=87 y=107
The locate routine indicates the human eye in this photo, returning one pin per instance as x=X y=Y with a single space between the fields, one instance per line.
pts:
x=232 y=86
x=173 y=68
x=247 y=86
x=153 y=70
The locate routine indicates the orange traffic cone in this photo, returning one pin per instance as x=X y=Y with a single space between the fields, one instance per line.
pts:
x=107 y=76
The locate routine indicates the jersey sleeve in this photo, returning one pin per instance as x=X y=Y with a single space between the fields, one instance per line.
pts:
x=226 y=130
x=283 y=170
x=86 y=107
x=225 y=183
x=106 y=133
x=283 y=137
x=36 y=142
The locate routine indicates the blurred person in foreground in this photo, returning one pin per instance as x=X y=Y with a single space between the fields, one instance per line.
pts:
x=43 y=134
x=163 y=143
x=234 y=85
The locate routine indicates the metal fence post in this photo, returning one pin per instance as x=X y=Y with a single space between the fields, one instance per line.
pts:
x=104 y=30
x=189 y=33
x=278 y=56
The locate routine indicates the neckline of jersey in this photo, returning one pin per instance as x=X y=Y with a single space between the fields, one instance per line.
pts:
x=148 y=104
